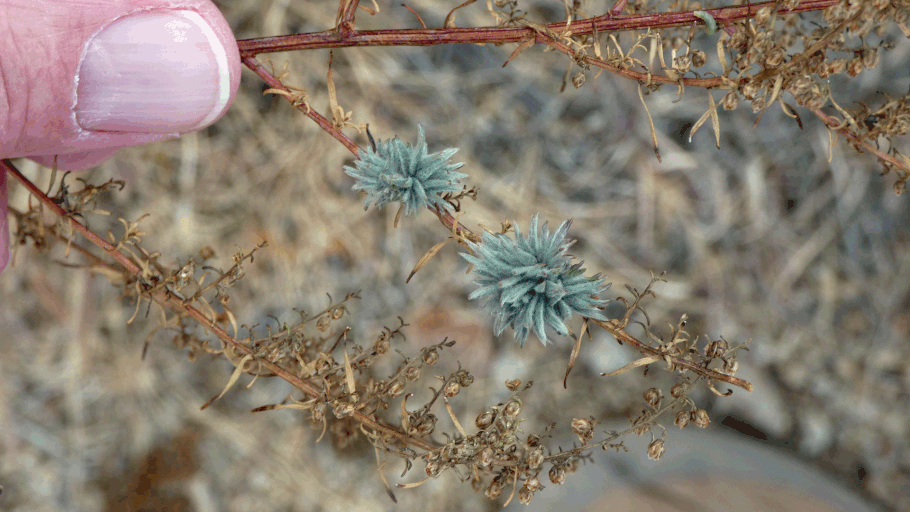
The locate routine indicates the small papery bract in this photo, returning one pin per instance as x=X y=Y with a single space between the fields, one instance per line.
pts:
x=530 y=281
x=397 y=171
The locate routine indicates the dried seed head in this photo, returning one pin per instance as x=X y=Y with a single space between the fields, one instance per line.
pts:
x=737 y=41
x=185 y=274
x=495 y=489
x=427 y=425
x=342 y=410
x=699 y=58
x=535 y=457
x=682 y=64
x=464 y=378
x=678 y=390
x=640 y=425
x=815 y=61
x=434 y=468
x=396 y=389
x=656 y=449
x=513 y=408
x=716 y=349
x=731 y=365
x=533 y=440
x=382 y=344
x=653 y=396
x=816 y=101
x=451 y=388
x=855 y=66
x=525 y=496
x=836 y=66
x=682 y=419
x=700 y=418
x=533 y=484
x=323 y=323
x=319 y=412
x=803 y=83
x=558 y=475
x=337 y=313
x=584 y=429
x=763 y=16
x=431 y=357
x=582 y=426
x=750 y=90
x=579 y=79
x=901 y=126
x=775 y=57
x=485 y=457
x=412 y=373
x=731 y=100
x=513 y=384
x=484 y=420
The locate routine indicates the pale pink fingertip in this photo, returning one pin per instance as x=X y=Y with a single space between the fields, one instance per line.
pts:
x=154 y=72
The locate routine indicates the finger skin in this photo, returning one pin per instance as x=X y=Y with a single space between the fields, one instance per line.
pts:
x=41 y=46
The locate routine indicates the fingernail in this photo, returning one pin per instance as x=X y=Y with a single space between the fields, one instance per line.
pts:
x=153 y=72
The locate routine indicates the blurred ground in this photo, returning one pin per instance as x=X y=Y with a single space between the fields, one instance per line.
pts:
x=763 y=239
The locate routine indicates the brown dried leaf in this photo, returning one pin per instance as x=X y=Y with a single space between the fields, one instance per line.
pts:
x=575 y=350
x=427 y=257
x=413 y=484
x=234 y=376
x=650 y=122
x=405 y=422
x=522 y=47
x=450 y=19
x=348 y=372
x=634 y=364
x=385 y=482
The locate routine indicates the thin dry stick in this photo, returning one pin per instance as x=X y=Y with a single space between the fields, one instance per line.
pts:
x=495 y=35
x=625 y=337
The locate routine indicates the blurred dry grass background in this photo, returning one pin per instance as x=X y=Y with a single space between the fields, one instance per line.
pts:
x=763 y=239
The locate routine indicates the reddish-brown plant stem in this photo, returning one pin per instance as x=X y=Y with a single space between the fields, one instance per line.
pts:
x=257 y=67
x=840 y=126
x=625 y=337
x=166 y=298
x=495 y=35
x=628 y=73
x=617 y=7
x=347 y=9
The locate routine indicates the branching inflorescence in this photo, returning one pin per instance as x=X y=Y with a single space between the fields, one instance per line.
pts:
x=531 y=282
x=397 y=171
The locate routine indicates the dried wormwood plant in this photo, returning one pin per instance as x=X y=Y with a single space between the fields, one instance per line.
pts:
x=763 y=51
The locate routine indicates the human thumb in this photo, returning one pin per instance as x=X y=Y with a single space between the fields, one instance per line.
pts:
x=104 y=75
x=78 y=80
